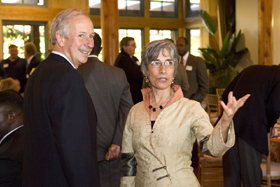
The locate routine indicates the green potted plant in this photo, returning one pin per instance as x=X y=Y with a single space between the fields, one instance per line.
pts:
x=221 y=62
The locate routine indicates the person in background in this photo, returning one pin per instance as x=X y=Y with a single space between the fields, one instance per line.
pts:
x=109 y=91
x=17 y=85
x=196 y=71
x=131 y=66
x=160 y=131
x=252 y=123
x=11 y=138
x=14 y=67
x=198 y=81
x=7 y=84
x=32 y=60
x=60 y=120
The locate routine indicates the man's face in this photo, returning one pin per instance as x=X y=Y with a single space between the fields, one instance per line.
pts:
x=182 y=47
x=13 y=53
x=4 y=121
x=80 y=40
x=130 y=48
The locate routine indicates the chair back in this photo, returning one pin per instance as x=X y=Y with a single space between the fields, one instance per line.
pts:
x=213 y=106
x=219 y=92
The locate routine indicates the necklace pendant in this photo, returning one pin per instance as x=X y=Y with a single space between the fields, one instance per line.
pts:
x=154 y=109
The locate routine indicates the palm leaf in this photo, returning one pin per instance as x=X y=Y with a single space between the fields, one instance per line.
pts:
x=208 y=22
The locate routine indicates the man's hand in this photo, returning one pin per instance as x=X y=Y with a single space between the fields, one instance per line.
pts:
x=112 y=152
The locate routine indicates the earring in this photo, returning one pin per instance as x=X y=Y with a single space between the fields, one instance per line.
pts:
x=148 y=84
x=147 y=79
x=172 y=81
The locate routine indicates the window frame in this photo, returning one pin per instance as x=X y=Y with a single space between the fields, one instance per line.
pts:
x=16 y=22
x=161 y=12
x=25 y=5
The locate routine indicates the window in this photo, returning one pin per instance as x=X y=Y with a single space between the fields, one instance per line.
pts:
x=19 y=34
x=126 y=7
x=193 y=35
x=25 y=2
x=94 y=6
x=192 y=8
x=163 y=34
x=163 y=8
x=137 y=35
x=130 y=7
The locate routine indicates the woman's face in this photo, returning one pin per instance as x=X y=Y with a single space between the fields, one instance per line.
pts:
x=161 y=71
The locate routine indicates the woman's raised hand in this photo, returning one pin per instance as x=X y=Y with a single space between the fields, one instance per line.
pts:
x=232 y=106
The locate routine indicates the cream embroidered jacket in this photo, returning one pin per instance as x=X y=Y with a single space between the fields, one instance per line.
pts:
x=162 y=157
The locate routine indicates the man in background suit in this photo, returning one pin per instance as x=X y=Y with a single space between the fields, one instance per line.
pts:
x=131 y=66
x=59 y=117
x=32 y=60
x=109 y=90
x=11 y=138
x=198 y=81
x=196 y=71
x=252 y=122
x=14 y=67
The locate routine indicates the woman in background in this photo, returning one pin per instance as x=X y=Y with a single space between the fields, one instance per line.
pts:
x=160 y=131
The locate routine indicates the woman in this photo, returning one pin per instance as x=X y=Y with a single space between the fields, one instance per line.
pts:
x=160 y=131
x=7 y=84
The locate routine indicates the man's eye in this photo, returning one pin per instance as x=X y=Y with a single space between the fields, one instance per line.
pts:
x=81 y=35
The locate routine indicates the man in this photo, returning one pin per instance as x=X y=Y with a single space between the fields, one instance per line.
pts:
x=196 y=71
x=198 y=81
x=109 y=91
x=32 y=60
x=131 y=66
x=252 y=122
x=11 y=138
x=60 y=120
x=14 y=67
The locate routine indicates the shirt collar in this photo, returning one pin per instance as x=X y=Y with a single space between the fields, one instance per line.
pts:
x=185 y=58
x=29 y=59
x=92 y=56
x=9 y=133
x=60 y=54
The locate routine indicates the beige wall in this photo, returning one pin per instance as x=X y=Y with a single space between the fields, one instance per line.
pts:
x=247 y=21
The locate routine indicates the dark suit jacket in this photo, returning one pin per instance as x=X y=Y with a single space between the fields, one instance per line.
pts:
x=133 y=74
x=197 y=77
x=11 y=155
x=60 y=128
x=260 y=112
x=109 y=90
x=33 y=64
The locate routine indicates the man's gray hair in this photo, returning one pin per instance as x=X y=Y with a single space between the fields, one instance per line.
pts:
x=60 y=22
x=152 y=51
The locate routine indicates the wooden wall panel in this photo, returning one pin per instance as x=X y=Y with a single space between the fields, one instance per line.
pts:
x=265 y=32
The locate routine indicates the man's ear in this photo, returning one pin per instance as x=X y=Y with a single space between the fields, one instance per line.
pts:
x=12 y=117
x=60 y=39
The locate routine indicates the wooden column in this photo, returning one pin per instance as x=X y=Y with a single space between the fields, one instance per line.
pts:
x=265 y=32
x=110 y=30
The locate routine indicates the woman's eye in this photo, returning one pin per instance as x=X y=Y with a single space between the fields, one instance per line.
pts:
x=169 y=63
x=155 y=62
